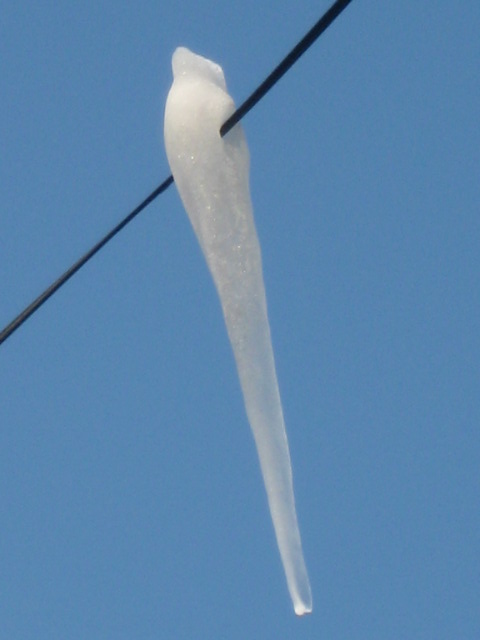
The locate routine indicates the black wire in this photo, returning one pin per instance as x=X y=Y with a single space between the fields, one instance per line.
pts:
x=37 y=303
x=279 y=71
x=323 y=24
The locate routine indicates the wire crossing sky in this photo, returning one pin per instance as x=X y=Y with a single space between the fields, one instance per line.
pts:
x=323 y=23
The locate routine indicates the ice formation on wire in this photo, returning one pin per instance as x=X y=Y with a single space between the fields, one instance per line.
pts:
x=212 y=176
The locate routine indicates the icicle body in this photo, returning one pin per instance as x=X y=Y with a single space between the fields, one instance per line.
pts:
x=212 y=176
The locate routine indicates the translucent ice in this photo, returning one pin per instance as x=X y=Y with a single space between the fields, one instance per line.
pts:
x=211 y=174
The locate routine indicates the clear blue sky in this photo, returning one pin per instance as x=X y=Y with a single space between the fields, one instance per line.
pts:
x=131 y=502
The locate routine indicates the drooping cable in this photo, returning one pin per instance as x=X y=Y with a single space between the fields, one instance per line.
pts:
x=37 y=303
x=289 y=60
x=279 y=71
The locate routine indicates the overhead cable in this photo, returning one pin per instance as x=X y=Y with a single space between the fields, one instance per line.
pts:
x=279 y=71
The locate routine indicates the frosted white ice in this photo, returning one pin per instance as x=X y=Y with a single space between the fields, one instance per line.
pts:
x=212 y=176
